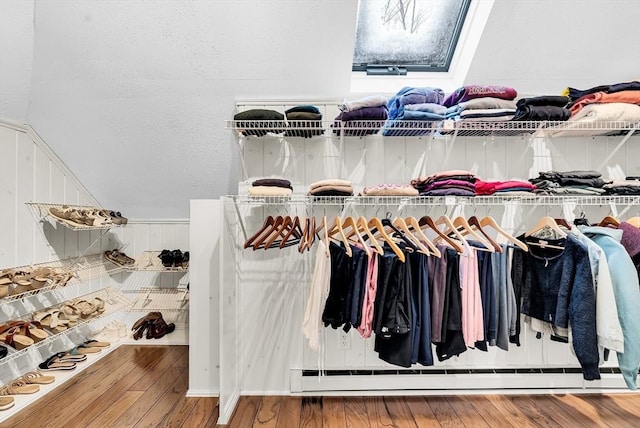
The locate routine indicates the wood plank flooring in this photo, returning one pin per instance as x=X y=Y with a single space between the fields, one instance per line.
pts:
x=145 y=386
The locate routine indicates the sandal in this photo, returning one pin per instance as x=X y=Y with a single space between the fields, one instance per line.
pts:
x=68 y=357
x=18 y=387
x=52 y=364
x=83 y=349
x=6 y=402
x=70 y=313
x=31 y=329
x=96 y=344
x=37 y=378
x=51 y=320
x=119 y=258
x=86 y=308
x=12 y=337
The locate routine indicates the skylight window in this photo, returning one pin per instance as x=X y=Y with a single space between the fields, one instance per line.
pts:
x=396 y=36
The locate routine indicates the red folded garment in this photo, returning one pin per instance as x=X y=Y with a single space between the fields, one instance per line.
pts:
x=490 y=187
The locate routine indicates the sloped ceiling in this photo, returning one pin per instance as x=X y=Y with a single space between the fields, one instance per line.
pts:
x=133 y=95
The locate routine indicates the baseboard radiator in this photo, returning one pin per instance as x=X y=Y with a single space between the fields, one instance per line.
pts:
x=453 y=380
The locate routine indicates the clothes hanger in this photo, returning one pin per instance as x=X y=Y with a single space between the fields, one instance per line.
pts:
x=563 y=223
x=609 y=221
x=294 y=230
x=414 y=226
x=268 y=222
x=428 y=221
x=464 y=228
x=336 y=228
x=634 y=221
x=489 y=221
x=375 y=223
x=401 y=225
x=282 y=230
x=259 y=242
x=549 y=222
x=397 y=233
x=308 y=234
x=363 y=226
x=350 y=222
x=476 y=225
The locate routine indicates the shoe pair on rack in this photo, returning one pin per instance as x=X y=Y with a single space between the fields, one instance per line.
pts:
x=23 y=280
x=118 y=257
x=87 y=216
x=154 y=324
x=20 y=334
x=175 y=258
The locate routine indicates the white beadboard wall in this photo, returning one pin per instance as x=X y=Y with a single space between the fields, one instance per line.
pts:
x=31 y=172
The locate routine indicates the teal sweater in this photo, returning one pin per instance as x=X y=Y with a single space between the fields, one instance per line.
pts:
x=627 y=294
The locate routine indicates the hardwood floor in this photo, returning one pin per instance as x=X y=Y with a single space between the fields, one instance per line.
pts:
x=144 y=386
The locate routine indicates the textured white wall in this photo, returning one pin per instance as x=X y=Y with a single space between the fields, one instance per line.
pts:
x=132 y=95
x=16 y=55
x=543 y=46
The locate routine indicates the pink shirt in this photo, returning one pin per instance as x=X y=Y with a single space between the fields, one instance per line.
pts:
x=366 y=325
x=472 y=317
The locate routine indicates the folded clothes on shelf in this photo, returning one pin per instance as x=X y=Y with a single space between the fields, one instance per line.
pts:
x=306 y=117
x=389 y=190
x=627 y=97
x=331 y=187
x=257 y=191
x=275 y=182
x=493 y=187
x=586 y=120
x=363 y=102
x=259 y=122
x=466 y=93
x=360 y=122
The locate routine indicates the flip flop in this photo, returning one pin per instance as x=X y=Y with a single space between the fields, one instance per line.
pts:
x=86 y=349
x=95 y=344
x=64 y=357
x=51 y=364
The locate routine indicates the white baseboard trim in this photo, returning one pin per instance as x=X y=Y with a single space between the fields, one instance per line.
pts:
x=203 y=393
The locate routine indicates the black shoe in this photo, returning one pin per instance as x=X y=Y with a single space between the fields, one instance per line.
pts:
x=166 y=257
x=3 y=352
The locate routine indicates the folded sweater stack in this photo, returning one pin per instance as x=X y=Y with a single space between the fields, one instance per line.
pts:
x=259 y=122
x=569 y=183
x=476 y=103
x=356 y=116
x=422 y=105
x=503 y=188
x=629 y=186
x=331 y=187
x=389 y=190
x=307 y=117
x=446 y=183
x=546 y=107
x=271 y=187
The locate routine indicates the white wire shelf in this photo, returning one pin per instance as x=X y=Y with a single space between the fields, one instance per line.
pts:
x=90 y=273
x=149 y=261
x=17 y=363
x=161 y=299
x=281 y=128
x=41 y=212
x=535 y=200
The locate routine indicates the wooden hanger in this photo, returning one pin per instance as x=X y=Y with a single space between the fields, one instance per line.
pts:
x=308 y=234
x=549 y=222
x=461 y=225
x=476 y=225
x=402 y=226
x=294 y=230
x=429 y=222
x=489 y=221
x=259 y=242
x=398 y=234
x=563 y=223
x=414 y=226
x=634 y=221
x=375 y=223
x=609 y=221
x=268 y=222
x=285 y=229
x=350 y=222
x=362 y=224
x=336 y=228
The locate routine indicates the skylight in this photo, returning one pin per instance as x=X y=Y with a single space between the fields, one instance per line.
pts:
x=396 y=36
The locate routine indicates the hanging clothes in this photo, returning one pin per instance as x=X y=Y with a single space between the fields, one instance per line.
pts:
x=312 y=320
x=627 y=295
x=451 y=339
x=392 y=317
x=421 y=311
x=557 y=288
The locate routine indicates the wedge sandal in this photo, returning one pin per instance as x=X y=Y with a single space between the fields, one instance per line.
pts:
x=7 y=402
x=12 y=337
